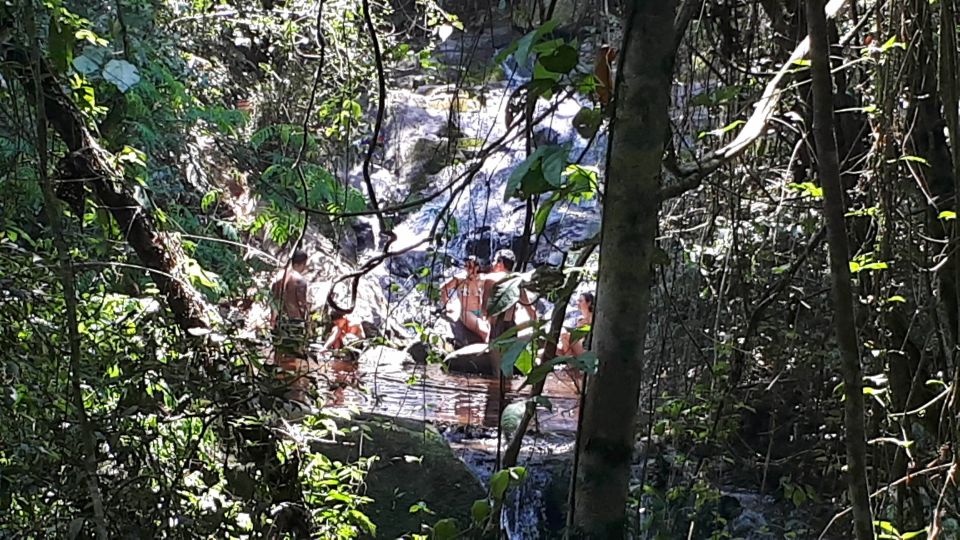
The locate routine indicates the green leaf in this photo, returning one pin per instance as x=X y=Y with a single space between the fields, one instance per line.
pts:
x=947 y=215
x=420 y=507
x=914 y=534
x=891 y=43
x=90 y=37
x=209 y=198
x=445 y=529
x=62 y=39
x=544 y=402
x=721 y=131
x=498 y=484
x=540 y=372
x=586 y=362
x=517 y=474
x=561 y=61
x=509 y=359
x=808 y=189
x=896 y=298
x=480 y=510
x=541 y=73
x=892 y=440
x=543 y=214
x=527 y=41
x=587 y=122
x=915 y=159
x=524 y=362
x=515 y=181
x=505 y=294
x=554 y=162
x=886 y=526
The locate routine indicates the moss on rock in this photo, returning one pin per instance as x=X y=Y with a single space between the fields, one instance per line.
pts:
x=414 y=465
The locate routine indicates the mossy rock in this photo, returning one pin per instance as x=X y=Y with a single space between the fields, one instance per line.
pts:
x=414 y=464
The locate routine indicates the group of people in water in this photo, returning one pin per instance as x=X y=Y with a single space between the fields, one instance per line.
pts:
x=474 y=290
x=291 y=315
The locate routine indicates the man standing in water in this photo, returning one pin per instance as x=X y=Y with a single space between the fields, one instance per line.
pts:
x=468 y=286
x=289 y=319
x=503 y=263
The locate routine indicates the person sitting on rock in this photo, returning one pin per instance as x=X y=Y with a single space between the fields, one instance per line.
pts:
x=566 y=347
x=346 y=329
x=468 y=287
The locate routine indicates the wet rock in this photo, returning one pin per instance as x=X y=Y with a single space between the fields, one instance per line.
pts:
x=750 y=525
x=470 y=359
x=418 y=351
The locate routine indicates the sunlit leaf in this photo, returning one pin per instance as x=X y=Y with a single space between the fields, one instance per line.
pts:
x=121 y=73
x=480 y=510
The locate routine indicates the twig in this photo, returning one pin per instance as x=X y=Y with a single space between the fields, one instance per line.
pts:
x=883 y=490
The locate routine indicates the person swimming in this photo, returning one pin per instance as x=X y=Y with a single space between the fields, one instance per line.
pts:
x=468 y=287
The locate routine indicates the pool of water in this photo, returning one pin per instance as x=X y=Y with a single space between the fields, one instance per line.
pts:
x=384 y=381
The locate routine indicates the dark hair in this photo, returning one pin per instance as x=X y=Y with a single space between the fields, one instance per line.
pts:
x=506 y=257
x=299 y=257
x=471 y=259
x=588 y=296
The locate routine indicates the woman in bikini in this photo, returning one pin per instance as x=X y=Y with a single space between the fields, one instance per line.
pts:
x=576 y=348
x=470 y=295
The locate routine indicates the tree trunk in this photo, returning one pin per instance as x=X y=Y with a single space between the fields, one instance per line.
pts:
x=828 y=166
x=637 y=136
x=52 y=209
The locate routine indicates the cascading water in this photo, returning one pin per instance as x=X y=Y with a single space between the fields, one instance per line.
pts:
x=427 y=147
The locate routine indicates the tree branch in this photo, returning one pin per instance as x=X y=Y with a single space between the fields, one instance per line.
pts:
x=691 y=175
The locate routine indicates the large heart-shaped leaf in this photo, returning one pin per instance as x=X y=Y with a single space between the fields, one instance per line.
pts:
x=561 y=61
x=445 y=529
x=506 y=293
x=512 y=354
x=531 y=39
x=515 y=181
x=85 y=65
x=121 y=73
x=554 y=161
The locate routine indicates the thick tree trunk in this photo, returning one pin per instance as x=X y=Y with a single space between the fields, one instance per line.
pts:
x=631 y=205
x=828 y=165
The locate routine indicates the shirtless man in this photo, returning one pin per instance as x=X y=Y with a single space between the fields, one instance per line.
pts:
x=503 y=263
x=289 y=320
x=468 y=286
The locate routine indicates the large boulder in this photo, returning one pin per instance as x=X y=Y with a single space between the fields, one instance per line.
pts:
x=414 y=464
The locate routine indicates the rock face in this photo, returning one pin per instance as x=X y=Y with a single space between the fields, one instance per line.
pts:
x=414 y=464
